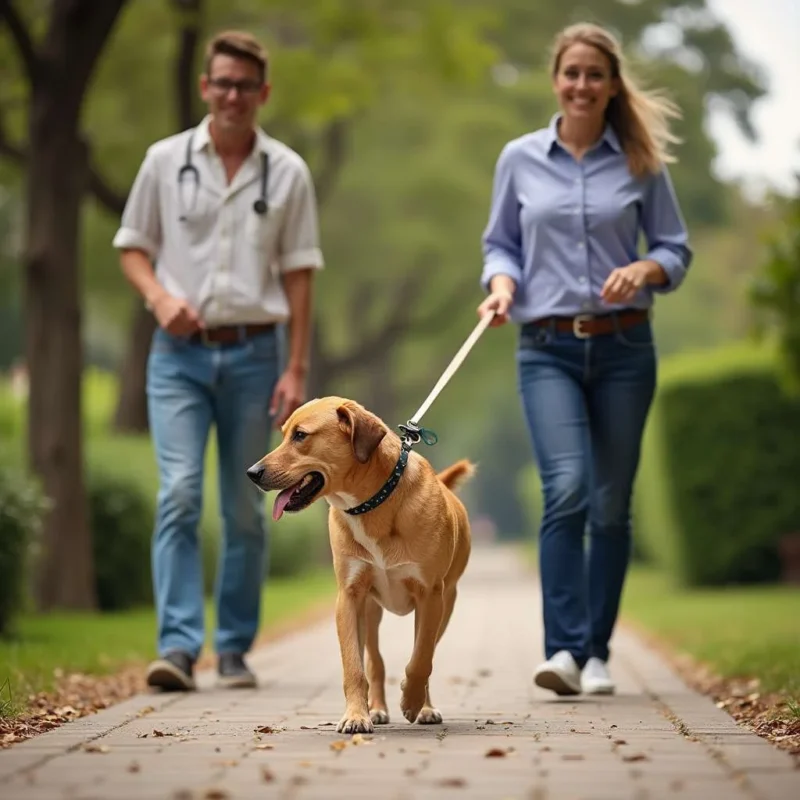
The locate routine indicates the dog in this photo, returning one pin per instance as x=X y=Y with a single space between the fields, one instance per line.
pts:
x=401 y=549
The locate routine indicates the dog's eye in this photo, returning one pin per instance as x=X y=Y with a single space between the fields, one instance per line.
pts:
x=299 y=435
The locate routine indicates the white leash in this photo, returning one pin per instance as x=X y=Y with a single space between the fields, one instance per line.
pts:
x=458 y=359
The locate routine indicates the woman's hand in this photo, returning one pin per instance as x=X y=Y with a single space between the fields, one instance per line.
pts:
x=624 y=282
x=498 y=301
x=501 y=296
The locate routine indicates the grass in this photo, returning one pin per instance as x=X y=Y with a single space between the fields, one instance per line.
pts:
x=741 y=631
x=99 y=644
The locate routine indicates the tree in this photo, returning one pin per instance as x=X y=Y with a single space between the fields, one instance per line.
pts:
x=775 y=292
x=57 y=69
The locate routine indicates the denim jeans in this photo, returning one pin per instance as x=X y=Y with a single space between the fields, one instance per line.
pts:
x=189 y=387
x=585 y=402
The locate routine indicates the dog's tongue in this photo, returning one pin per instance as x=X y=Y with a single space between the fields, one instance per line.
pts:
x=282 y=500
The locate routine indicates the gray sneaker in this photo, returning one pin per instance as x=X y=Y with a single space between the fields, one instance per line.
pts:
x=173 y=672
x=233 y=673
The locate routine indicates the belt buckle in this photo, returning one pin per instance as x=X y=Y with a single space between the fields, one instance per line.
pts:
x=206 y=341
x=576 y=323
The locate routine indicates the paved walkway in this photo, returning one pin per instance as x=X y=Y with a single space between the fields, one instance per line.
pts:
x=502 y=737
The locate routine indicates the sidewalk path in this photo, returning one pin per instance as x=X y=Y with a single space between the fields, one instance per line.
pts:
x=502 y=737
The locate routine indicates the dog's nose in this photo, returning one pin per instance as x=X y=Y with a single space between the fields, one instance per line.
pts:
x=255 y=473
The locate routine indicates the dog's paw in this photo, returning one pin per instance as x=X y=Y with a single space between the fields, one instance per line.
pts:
x=429 y=716
x=379 y=716
x=412 y=699
x=355 y=723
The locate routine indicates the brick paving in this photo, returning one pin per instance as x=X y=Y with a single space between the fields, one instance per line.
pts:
x=502 y=738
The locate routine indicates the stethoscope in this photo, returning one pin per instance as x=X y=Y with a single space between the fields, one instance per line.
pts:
x=260 y=206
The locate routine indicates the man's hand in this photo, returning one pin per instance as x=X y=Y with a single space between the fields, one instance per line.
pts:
x=289 y=394
x=176 y=316
x=624 y=282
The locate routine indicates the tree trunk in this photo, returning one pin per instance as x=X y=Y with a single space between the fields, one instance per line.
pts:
x=57 y=179
x=131 y=413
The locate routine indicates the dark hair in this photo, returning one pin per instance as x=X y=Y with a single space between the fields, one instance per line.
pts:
x=239 y=45
x=640 y=118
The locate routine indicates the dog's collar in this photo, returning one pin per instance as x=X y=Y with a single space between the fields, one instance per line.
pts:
x=386 y=489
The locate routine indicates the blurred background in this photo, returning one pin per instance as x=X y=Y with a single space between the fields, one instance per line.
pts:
x=401 y=109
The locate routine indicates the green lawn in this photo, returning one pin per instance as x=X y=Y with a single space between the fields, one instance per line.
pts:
x=101 y=643
x=751 y=631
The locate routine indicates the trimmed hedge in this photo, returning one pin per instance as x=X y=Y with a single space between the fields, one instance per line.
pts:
x=22 y=510
x=718 y=484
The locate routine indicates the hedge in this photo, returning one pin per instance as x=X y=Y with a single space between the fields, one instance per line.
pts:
x=718 y=481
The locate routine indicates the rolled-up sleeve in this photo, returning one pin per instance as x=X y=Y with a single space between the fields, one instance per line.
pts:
x=502 y=239
x=140 y=227
x=665 y=231
x=299 y=241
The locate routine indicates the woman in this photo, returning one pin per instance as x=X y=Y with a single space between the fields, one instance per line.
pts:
x=569 y=203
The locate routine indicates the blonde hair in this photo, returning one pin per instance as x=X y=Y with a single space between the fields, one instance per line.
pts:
x=639 y=117
x=239 y=45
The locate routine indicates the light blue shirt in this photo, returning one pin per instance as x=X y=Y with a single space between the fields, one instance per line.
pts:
x=558 y=226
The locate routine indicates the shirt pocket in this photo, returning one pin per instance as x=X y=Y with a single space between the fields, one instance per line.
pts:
x=261 y=230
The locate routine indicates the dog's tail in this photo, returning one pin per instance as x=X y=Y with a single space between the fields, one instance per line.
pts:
x=457 y=474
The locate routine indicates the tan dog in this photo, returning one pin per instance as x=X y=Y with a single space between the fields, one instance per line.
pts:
x=405 y=553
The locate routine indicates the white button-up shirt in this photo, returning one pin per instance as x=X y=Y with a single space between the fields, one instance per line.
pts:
x=223 y=257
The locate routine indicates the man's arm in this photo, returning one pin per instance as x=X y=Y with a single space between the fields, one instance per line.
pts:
x=298 y=286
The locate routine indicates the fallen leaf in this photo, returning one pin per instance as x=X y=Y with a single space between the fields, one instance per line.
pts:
x=359 y=738
x=266 y=729
x=496 y=752
x=267 y=775
x=453 y=783
x=227 y=762
x=216 y=794
x=325 y=724
x=338 y=745
x=307 y=728
x=97 y=748
x=264 y=747
x=134 y=766
x=620 y=741
x=635 y=757
x=161 y=733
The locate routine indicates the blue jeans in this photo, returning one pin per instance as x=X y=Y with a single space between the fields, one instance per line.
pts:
x=189 y=387
x=585 y=403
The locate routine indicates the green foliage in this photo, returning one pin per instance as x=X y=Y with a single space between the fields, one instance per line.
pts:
x=22 y=510
x=121 y=519
x=717 y=486
x=775 y=291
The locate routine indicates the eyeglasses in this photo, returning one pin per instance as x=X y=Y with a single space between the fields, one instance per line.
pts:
x=224 y=85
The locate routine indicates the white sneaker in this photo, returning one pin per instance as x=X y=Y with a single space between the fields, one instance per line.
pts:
x=560 y=674
x=595 y=678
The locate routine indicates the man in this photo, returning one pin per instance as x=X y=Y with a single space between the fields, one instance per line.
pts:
x=228 y=215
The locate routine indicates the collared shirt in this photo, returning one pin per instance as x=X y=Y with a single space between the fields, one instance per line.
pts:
x=224 y=258
x=559 y=226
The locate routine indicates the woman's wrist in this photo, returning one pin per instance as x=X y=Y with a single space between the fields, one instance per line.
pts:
x=503 y=285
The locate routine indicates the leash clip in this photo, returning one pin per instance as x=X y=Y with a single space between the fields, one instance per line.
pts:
x=414 y=434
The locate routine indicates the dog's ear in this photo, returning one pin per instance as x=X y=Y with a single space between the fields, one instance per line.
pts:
x=364 y=430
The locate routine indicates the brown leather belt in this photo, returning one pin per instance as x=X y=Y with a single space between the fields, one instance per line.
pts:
x=230 y=334
x=584 y=326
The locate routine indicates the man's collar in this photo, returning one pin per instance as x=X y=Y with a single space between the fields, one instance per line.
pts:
x=609 y=135
x=202 y=137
